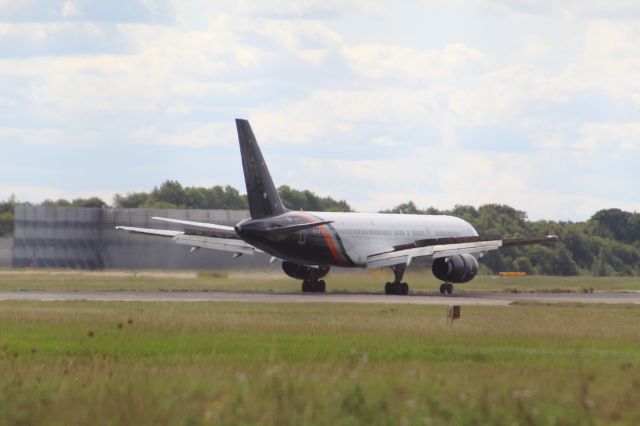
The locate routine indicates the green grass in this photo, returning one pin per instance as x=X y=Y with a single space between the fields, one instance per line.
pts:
x=420 y=280
x=243 y=363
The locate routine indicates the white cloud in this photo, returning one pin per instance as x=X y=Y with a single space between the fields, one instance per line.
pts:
x=611 y=59
x=613 y=138
x=37 y=194
x=29 y=193
x=166 y=66
x=550 y=141
x=70 y=9
x=327 y=116
x=47 y=136
x=502 y=95
x=49 y=37
x=568 y=9
x=310 y=41
x=442 y=178
x=445 y=108
x=383 y=141
x=311 y=9
x=535 y=48
x=405 y=64
x=195 y=136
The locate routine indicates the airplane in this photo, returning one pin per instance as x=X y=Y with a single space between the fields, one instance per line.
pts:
x=310 y=243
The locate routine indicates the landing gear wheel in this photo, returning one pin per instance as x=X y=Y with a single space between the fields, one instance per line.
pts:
x=404 y=289
x=446 y=288
x=309 y=286
x=397 y=286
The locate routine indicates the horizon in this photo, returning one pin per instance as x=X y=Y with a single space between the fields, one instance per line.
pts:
x=443 y=103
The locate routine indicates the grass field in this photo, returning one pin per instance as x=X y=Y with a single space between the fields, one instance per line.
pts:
x=420 y=280
x=279 y=364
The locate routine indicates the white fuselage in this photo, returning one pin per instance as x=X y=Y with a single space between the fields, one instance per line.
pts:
x=366 y=234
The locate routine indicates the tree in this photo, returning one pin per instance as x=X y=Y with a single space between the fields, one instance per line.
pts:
x=468 y=213
x=306 y=200
x=171 y=193
x=89 y=202
x=600 y=267
x=131 y=200
x=405 y=208
x=500 y=219
x=7 y=216
x=564 y=264
x=57 y=203
x=523 y=264
x=611 y=223
x=633 y=228
x=578 y=244
x=78 y=202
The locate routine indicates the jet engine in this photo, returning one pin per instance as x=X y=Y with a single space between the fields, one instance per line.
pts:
x=460 y=268
x=304 y=272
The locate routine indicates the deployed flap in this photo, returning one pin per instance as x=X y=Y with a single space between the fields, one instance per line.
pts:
x=523 y=241
x=478 y=247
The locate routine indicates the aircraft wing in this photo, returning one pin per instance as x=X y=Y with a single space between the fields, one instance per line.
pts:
x=425 y=251
x=214 y=239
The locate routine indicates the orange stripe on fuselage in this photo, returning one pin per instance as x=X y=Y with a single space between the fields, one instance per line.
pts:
x=327 y=238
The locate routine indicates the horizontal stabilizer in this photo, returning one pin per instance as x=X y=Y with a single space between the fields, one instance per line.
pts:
x=146 y=231
x=192 y=223
x=197 y=239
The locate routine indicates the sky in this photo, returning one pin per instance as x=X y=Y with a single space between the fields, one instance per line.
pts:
x=535 y=104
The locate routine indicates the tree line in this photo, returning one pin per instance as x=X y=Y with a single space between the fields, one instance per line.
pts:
x=172 y=195
x=606 y=244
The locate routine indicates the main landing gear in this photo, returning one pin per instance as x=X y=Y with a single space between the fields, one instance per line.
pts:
x=314 y=286
x=397 y=286
x=446 y=288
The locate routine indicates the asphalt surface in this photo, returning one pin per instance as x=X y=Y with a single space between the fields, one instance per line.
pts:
x=416 y=299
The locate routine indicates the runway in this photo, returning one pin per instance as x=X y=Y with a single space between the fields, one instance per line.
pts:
x=467 y=298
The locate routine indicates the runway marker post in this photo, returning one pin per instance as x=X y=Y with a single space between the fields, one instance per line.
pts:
x=453 y=313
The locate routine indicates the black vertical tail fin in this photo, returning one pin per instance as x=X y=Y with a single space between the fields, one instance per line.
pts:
x=263 y=198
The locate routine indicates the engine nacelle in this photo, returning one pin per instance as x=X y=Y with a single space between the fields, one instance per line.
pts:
x=460 y=268
x=304 y=272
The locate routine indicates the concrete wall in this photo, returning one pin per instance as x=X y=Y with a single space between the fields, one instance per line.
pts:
x=85 y=238
x=6 y=252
